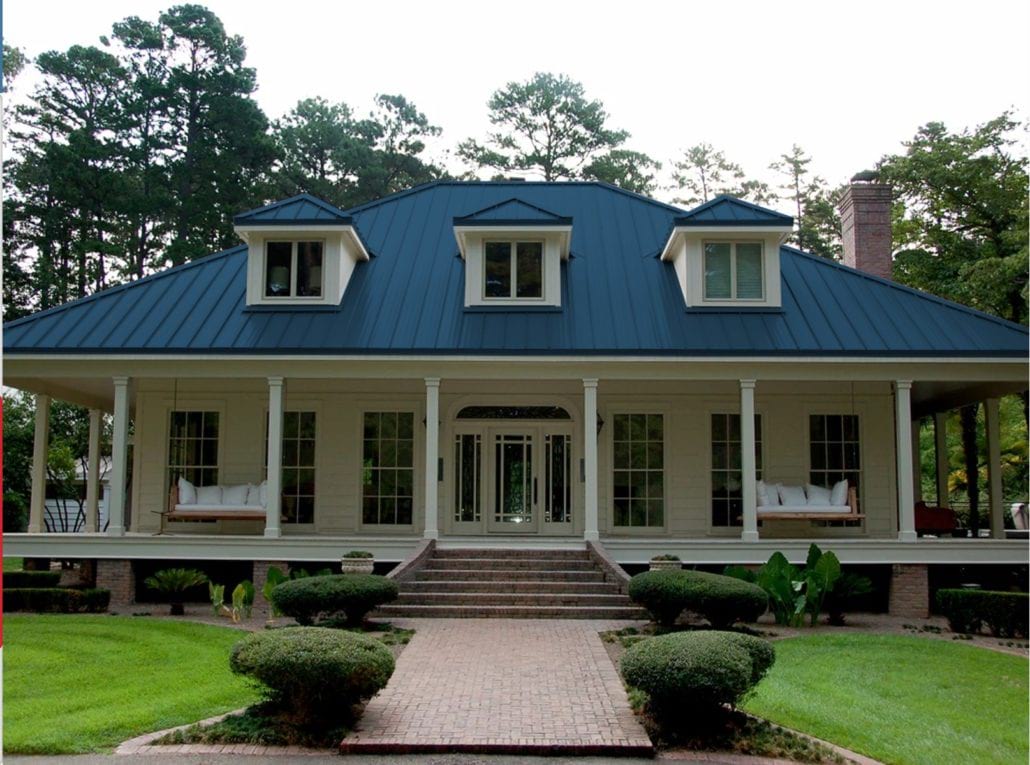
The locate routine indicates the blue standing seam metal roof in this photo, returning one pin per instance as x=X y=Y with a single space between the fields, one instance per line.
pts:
x=302 y=209
x=512 y=212
x=725 y=210
x=618 y=298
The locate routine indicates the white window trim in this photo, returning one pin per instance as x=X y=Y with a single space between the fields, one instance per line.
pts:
x=511 y=297
x=733 y=271
x=293 y=296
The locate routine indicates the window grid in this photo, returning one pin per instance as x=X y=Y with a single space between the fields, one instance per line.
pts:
x=468 y=450
x=557 y=478
x=388 y=475
x=298 y=467
x=727 y=477
x=835 y=454
x=638 y=461
x=193 y=447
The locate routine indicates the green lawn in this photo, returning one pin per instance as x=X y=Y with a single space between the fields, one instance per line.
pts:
x=86 y=683
x=900 y=699
x=12 y=564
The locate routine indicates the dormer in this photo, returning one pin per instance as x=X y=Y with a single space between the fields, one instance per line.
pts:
x=727 y=254
x=301 y=252
x=513 y=252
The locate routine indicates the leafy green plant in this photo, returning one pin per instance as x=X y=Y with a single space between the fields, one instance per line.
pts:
x=357 y=554
x=845 y=591
x=822 y=570
x=1005 y=614
x=793 y=592
x=173 y=584
x=217 y=593
x=353 y=595
x=666 y=556
x=721 y=600
x=243 y=600
x=274 y=578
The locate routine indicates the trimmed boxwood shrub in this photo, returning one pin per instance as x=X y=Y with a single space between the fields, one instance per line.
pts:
x=722 y=600
x=696 y=671
x=61 y=600
x=353 y=595
x=314 y=674
x=1005 y=614
x=35 y=579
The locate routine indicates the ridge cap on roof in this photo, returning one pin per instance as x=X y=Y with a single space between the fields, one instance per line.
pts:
x=118 y=288
x=907 y=289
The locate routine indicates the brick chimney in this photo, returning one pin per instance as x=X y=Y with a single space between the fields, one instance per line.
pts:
x=865 y=216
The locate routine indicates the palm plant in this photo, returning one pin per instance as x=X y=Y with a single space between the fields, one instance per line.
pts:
x=173 y=584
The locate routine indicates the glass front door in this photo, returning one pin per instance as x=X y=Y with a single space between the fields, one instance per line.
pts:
x=515 y=483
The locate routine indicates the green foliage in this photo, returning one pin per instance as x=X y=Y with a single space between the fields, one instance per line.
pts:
x=362 y=554
x=846 y=590
x=243 y=599
x=312 y=673
x=721 y=600
x=816 y=222
x=61 y=600
x=217 y=593
x=274 y=578
x=630 y=170
x=1005 y=614
x=173 y=583
x=19 y=579
x=696 y=672
x=704 y=173
x=666 y=556
x=353 y=595
x=793 y=592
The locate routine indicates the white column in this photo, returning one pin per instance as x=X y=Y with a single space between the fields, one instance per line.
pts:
x=274 y=469
x=40 y=451
x=748 y=473
x=992 y=424
x=93 y=472
x=590 y=525
x=903 y=449
x=917 y=462
x=119 y=457
x=432 y=530
x=940 y=446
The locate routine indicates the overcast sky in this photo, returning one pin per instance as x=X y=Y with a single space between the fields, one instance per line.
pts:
x=848 y=81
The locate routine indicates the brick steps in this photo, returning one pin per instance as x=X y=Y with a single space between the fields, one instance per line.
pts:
x=526 y=584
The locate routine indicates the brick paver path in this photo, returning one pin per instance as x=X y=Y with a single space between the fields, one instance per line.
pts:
x=502 y=685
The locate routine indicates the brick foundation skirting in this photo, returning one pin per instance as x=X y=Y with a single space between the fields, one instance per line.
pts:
x=260 y=576
x=910 y=590
x=118 y=577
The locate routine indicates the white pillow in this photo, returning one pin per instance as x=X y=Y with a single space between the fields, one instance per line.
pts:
x=209 y=495
x=817 y=495
x=253 y=495
x=187 y=492
x=767 y=494
x=839 y=495
x=235 y=495
x=792 y=496
x=263 y=493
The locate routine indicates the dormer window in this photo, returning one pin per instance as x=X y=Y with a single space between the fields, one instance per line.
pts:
x=513 y=270
x=293 y=269
x=734 y=271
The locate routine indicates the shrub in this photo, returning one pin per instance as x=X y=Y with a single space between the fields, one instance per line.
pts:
x=722 y=600
x=696 y=671
x=666 y=556
x=784 y=583
x=846 y=590
x=31 y=579
x=314 y=674
x=353 y=595
x=1005 y=614
x=173 y=583
x=357 y=554
x=61 y=600
x=96 y=600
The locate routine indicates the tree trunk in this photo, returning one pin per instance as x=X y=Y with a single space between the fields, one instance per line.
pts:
x=967 y=417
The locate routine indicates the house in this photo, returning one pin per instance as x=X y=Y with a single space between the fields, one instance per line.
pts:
x=535 y=366
x=72 y=508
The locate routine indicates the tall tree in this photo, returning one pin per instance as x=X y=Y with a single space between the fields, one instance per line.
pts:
x=630 y=170
x=704 y=172
x=17 y=279
x=816 y=221
x=545 y=125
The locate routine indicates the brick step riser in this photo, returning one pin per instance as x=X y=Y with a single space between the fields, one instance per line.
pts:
x=508 y=599
x=507 y=612
x=507 y=564
x=451 y=575
x=492 y=553
x=507 y=585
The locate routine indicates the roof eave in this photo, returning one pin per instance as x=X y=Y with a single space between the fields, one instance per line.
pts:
x=668 y=251
x=563 y=231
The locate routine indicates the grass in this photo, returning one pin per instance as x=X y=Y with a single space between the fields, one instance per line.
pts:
x=900 y=699
x=13 y=564
x=86 y=683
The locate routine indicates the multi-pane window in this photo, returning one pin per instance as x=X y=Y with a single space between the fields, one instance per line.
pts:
x=835 y=450
x=193 y=447
x=298 y=476
x=293 y=269
x=638 y=462
x=513 y=270
x=468 y=449
x=727 y=475
x=388 y=468
x=733 y=271
x=557 y=478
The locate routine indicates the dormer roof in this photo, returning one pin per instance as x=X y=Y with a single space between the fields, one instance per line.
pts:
x=512 y=212
x=300 y=210
x=725 y=210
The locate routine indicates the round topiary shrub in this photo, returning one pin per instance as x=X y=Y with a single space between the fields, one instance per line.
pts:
x=696 y=671
x=353 y=595
x=315 y=675
x=722 y=600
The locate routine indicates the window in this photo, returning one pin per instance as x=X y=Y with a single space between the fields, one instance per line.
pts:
x=557 y=478
x=293 y=269
x=467 y=477
x=298 y=476
x=388 y=474
x=638 y=462
x=733 y=271
x=727 y=499
x=514 y=270
x=835 y=449
x=193 y=447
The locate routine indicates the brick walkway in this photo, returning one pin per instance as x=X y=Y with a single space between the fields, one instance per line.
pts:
x=502 y=685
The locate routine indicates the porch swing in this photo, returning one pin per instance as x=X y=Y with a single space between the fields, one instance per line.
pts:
x=800 y=507
x=190 y=508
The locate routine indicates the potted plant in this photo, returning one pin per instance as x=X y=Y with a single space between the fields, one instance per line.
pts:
x=666 y=563
x=173 y=584
x=357 y=562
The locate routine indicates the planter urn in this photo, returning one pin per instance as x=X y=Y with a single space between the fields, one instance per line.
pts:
x=666 y=565
x=357 y=565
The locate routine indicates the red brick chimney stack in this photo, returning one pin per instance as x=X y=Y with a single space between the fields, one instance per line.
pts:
x=865 y=216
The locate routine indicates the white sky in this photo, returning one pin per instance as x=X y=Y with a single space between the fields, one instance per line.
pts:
x=847 y=81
